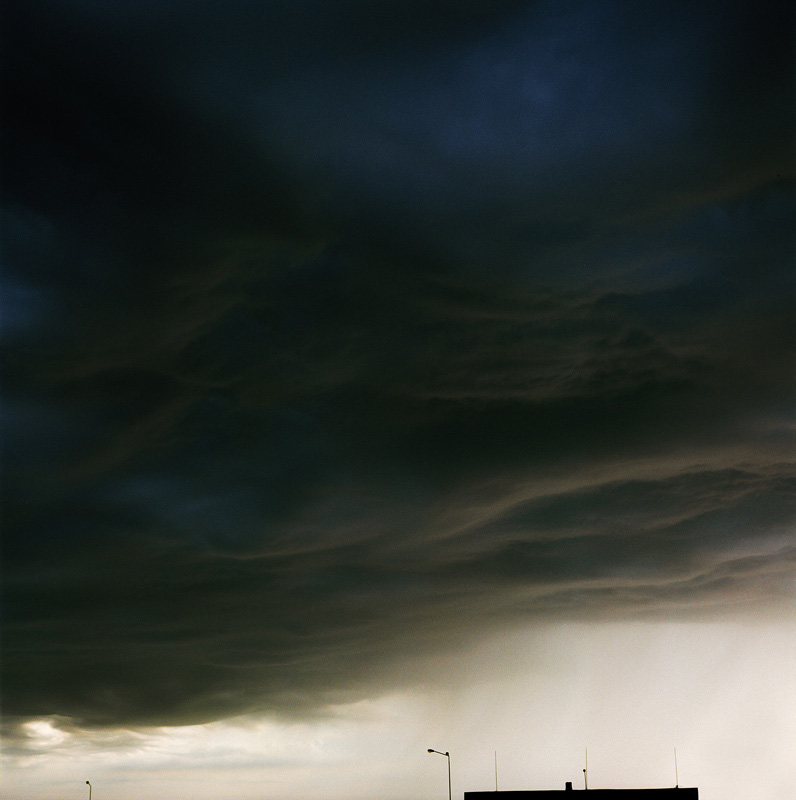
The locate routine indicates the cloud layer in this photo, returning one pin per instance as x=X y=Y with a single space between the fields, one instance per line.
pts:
x=333 y=344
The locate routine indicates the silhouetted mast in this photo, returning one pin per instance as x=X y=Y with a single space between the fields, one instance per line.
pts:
x=586 y=771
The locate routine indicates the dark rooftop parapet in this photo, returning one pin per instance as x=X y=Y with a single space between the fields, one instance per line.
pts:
x=595 y=794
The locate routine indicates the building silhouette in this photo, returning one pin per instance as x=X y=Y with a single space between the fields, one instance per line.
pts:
x=594 y=794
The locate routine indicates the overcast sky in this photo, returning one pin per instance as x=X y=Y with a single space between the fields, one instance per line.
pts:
x=386 y=375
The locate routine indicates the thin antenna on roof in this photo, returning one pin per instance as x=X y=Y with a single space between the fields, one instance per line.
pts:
x=676 y=776
x=496 y=770
x=586 y=771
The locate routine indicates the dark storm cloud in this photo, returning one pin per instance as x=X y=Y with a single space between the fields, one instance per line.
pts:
x=330 y=327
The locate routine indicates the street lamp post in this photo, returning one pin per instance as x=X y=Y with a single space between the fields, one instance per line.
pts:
x=89 y=790
x=448 y=756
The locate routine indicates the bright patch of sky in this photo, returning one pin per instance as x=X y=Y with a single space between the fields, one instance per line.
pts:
x=537 y=698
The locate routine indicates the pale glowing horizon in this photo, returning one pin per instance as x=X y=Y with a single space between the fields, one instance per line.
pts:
x=538 y=699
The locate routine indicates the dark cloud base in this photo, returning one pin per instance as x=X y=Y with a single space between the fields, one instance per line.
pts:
x=275 y=436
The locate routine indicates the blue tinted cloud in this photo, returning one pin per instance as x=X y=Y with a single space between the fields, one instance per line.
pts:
x=335 y=325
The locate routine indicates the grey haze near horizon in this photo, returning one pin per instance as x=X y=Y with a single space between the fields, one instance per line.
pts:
x=341 y=335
